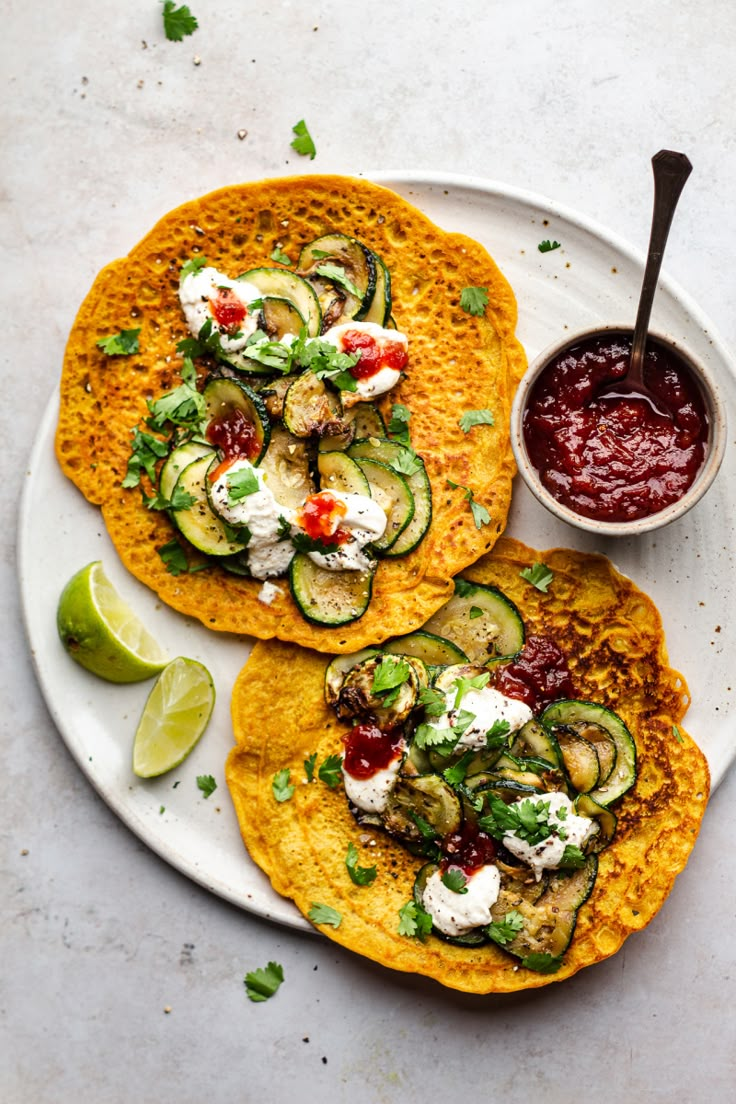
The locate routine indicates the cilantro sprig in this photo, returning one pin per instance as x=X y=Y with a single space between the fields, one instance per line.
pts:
x=263 y=983
x=475 y=418
x=282 y=786
x=359 y=875
x=124 y=343
x=303 y=143
x=539 y=575
x=206 y=783
x=178 y=22
x=547 y=246
x=480 y=513
x=474 y=300
x=324 y=914
x=503 y=931
x=389 y=676
x=414 y=921
x=528 y=820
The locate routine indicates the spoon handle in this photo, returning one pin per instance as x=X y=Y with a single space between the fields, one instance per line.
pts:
x=670 y=170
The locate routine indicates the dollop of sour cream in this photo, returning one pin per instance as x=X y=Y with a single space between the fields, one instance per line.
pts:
x=372 y=794
x=488 y=707
x=458 y=913
x=366 y=522
x=547 y=855
x=269 y=549
x=387 y=376
x=198 y=291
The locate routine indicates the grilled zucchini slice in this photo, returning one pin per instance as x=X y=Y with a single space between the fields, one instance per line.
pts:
x=329 y=597
x=342 y=272
x=623 y=774
x=481 y=620
x=411 y=466
x=236 y=409
x=199 y=524
x=280 y=283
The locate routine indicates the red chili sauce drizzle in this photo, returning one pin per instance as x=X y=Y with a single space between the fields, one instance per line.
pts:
x=621 y=456
x=318 y=517
x=368 y=749
x=538 y=675
x=235 y=435
x=467 y=850
x=228 y=310
x=373 y=357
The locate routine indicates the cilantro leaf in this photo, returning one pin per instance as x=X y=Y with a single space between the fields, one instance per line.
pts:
x=455 y=880
x=330 y=771
x=429 y=735
x=572 y=857
x=280 y=257
x=480 y=513
x=398 y=426
x=206 y=784
x=434 y=701
x=178 y=22
x=360 y=875
x=304 y=543
x=477 y=682
x=337 y=275
x=547 y=246
x=528 y=820
x=677 y=734
x=474 y=300
x=497 y=735
x=193 y=265
x=406 y=462
x=282 y=786
x=475 y=611
x=124 y=343
x=414 y=921
x=146 y=451
x=262 y=983
x=425 y=828
x=241 y=484
x=391 y=672
x=539 y=575
x=542 y=963
x=173 y=557
x=324 y=914
x=309 y=764
x=475 y=417
x=303 y=143
x=180 y=500
x=503 y=931
x=456 y=773
x=182 y=406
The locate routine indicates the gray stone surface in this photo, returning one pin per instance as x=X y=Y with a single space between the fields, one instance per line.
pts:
x=121 y=980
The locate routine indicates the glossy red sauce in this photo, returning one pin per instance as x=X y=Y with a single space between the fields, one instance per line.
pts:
x=319 y=518
x=368 y=749
x=539 y=674
x=235 y=435
x=373 y=356
x=615 y=457
x=467 y=850
x=228 y=310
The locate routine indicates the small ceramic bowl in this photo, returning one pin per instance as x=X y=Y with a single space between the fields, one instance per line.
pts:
x=714 y=450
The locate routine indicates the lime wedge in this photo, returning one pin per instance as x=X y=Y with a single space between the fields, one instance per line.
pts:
x=174 y=717
x=102 y=633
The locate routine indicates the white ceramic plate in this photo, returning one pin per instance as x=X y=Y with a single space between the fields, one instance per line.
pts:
x=687 y=568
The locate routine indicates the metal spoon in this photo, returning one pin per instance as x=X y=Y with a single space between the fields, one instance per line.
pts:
x=671 y=170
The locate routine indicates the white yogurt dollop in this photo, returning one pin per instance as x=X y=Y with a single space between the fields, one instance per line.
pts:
x=488 y=707
x=269 y=549
x=196 y=292
x=372 y=794
x=458 y=913
x=366 y=521
x=547 y=855
x=386 y=377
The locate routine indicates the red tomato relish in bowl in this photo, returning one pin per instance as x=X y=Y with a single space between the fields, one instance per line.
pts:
x=622 y=455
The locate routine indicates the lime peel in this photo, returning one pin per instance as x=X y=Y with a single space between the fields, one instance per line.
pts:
x=102 y=633
x=176 y=714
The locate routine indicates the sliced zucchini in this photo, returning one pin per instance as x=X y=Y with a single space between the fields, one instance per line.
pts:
x=338 y=668
x=337 y=472
x=426 y=797
x=391 y=491
x=434 y=650
x=411 y=466
x=579 y=758
x=549 y=916
x=280 y=283
x=236 y=413
x=279 y=317
x=199 y=524
x=533 y=740
x=286 y=468
x=623 y=775
x=357 y=697
x=329 y=597
x=311 y=409
x=448 y=676
x=586 y=806
x=363 y=419
x=351 y=259
x=602 y=741
x=472 y=938
x=175 y=463
x=273 y=393
x=480 y=620
x=380 y=309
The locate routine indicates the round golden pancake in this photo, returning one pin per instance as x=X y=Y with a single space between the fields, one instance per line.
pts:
x=458 y=362
x=611 y=634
